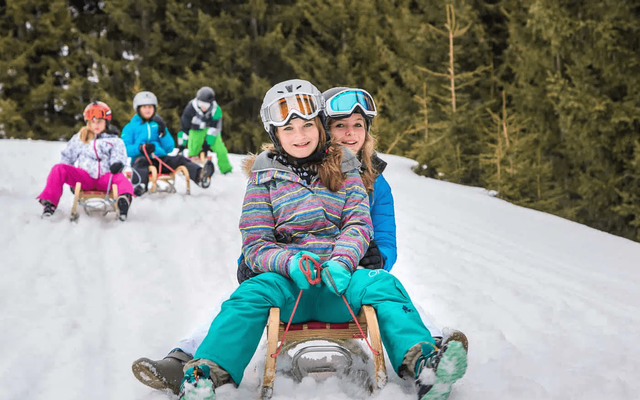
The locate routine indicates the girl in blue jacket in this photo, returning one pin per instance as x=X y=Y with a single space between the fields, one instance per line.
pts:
x=147 y=132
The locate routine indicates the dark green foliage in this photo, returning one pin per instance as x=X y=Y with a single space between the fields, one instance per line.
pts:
x=547 y=93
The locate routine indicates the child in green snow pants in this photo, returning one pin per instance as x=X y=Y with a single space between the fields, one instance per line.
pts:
x=235 y=333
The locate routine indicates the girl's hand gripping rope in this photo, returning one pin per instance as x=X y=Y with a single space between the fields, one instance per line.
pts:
x=336 y=275
x=304 y=269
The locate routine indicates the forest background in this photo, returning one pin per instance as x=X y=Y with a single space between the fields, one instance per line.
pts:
x=538 y=100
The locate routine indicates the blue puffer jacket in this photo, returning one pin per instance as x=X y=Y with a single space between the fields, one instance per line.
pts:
x=383 y=218
x=138 y=132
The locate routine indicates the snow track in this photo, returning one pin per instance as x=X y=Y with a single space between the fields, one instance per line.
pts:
x=551 y=308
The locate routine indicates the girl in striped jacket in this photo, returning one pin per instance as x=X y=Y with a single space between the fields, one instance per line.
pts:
x=305 y=198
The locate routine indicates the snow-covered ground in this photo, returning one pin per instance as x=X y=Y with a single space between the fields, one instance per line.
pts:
x=551 y=307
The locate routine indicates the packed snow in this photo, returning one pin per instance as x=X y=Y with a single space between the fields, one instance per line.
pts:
x=551 y=307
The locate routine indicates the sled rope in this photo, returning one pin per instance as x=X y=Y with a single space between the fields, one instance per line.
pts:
x=284 y=335
x=160 y=162
x=305 y=267
x=359 y=327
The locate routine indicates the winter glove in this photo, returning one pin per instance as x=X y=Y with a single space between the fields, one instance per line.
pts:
x=206 y=147
x=244 y=272
x=162 y=126
x=149 y=146
x=296 y=273
x=372 y=258
x=116 y=167
x=336 y=276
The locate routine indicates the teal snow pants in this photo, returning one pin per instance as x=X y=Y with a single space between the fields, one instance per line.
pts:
x=235 y=333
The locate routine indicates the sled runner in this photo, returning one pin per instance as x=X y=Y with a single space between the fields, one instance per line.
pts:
x=168 y=179
x=201 y=159
x=97 y=201
x=341 y=338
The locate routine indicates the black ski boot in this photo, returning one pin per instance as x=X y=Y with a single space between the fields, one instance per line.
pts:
x=123 y=206
x=204 y=179
x=49 y=208
x=139 y=189
x=163 y=374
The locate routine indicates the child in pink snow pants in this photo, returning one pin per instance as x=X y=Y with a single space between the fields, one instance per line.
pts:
x=101 y=156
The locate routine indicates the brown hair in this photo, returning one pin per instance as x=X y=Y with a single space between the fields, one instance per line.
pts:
x=330 y=167
x=368 y=173
x=86 y=134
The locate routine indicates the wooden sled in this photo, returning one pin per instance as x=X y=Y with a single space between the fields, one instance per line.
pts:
x=341 y=335
x=201 y=159
x=94 y=201
x=169 y=180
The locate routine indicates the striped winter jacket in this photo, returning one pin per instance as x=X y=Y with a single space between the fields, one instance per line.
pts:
x=281 y=216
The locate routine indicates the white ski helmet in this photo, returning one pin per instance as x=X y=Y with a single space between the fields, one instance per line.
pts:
x=289 y=98
x=145 y=99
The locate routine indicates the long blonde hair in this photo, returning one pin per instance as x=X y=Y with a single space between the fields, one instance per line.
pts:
x=365 y=155
x=86 y=134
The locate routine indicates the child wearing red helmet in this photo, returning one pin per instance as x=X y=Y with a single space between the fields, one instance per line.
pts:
x=100 y=156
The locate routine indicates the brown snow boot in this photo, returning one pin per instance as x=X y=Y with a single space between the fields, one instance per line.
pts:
x=163 y=374
x=454 y=335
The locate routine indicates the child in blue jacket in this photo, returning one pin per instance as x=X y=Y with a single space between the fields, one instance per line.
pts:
x=148 y=133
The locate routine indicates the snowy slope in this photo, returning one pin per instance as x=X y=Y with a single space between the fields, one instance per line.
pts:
x=551 y=307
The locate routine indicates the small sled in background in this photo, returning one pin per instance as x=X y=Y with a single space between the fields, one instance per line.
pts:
x=168 y=180
x=201 y=160
x=94 y=201
x=342 y=342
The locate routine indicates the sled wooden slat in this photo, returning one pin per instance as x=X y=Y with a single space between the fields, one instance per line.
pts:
x=169 y=178
x=81 y=196
x=376 y=342
x=322 y=331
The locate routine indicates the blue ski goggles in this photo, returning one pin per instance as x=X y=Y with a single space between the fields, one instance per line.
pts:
x=344 y=103
x=280 y=111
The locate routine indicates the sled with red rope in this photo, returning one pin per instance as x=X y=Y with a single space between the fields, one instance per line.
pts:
x=336 y=339
x=94 y=201
x=163 y=179
x=167 y=179
x=201 y=159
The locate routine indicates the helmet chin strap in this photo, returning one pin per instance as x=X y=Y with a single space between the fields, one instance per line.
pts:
x=318 y=155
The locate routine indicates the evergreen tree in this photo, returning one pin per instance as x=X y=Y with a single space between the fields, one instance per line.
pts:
x=450 y=150
x=43 y=70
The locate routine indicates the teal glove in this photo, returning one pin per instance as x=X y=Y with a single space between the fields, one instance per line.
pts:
x=296 y=273
x=336 y=276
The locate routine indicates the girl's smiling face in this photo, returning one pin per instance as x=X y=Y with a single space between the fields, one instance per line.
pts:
x=299 y=138
x=349 y=132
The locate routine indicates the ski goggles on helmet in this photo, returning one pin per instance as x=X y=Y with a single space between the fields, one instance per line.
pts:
x=344 y=103
x=278 y=112
x=98 y=110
